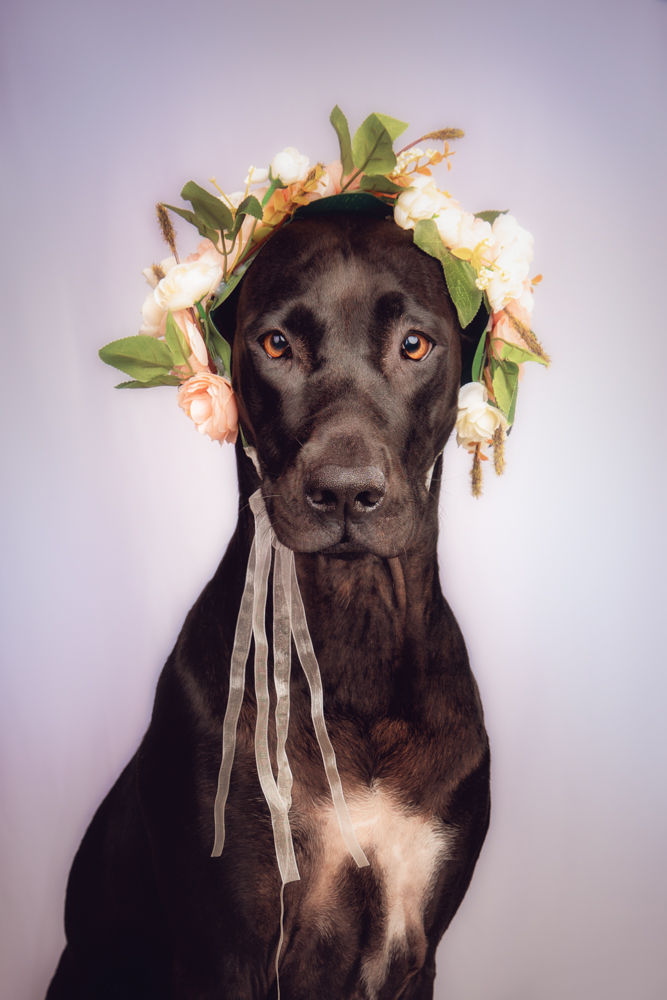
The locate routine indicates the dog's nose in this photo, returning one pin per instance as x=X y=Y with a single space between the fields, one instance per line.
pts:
x=346 y=490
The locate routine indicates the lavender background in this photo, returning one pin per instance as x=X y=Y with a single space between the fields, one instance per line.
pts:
x=115 y=512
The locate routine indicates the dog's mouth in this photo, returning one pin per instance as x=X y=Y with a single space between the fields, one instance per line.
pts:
x=347 y=550
x=383 y=533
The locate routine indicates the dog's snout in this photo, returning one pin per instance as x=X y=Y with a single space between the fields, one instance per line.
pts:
x=346 y=491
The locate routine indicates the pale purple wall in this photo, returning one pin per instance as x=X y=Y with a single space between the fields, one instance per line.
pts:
x=116 y=511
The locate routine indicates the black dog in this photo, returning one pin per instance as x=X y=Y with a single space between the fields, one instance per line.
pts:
x=346 y=359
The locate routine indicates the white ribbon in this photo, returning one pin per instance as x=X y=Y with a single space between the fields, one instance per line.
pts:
x=289 y=620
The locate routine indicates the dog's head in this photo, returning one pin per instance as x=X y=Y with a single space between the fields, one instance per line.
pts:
x=346 y=362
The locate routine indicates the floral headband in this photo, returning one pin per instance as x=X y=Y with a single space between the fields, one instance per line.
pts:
x=485 y=258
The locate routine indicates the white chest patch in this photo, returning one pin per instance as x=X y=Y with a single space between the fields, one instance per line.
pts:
x=406 y=851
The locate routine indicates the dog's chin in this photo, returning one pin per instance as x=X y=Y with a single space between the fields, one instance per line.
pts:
x=344 y=547
x=347 y=550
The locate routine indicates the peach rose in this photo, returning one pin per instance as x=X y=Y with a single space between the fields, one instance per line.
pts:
x=198 y=359
x=210 y=402
x=503 y=328
x=205 y=253
x=334 y=172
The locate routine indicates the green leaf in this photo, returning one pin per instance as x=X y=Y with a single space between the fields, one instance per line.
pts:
x=478 y=360
x=220 y=349
x=250 y=206
x=225 y=288
x=141 y=357
x=512 y=409
x=459 y=274
x=380 y=183
x=372 y=150
x=158 y=380
x=490 y=216
x=177 y=341
x=512 y=352
x=208 y=207
x=339 y=122
x=198 y=223
x=393 y=126
x=427 y=238
x=505 y=383
x=466 y=296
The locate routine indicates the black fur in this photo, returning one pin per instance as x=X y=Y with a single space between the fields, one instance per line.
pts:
x=346 y=428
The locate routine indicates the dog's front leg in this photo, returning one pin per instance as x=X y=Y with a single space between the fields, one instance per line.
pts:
x=224 y=911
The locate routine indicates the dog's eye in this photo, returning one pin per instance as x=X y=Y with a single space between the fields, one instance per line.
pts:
x=416 y=346
x=275 y=344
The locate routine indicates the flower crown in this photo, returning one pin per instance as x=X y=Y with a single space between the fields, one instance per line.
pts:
x=485 y=258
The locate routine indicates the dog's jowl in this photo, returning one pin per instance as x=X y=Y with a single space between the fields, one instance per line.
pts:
x=347 y=358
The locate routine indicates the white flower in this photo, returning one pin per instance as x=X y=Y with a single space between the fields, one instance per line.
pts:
x=421 y=201
x=448 y=222
x=152 y=314
x=477 y=419
x=473 y=231
x=508 y=231
x=165 y=266
x=508 y=260
x=257 y=175
x=509 y=271
x=186 y=284
x=289 y=166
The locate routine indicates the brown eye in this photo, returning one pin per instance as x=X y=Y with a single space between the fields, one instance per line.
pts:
x=275 y=344
x=416 y=346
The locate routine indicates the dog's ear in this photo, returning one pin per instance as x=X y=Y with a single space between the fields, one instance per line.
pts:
x=224 y=316
x=469 y=341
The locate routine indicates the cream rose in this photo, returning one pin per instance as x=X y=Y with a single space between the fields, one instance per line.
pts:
x=186 y=284
x=421 y=200
x=290 y=166
x=448 y=221
x=507 y=230
x=477 y=419
x=210 y=402
x=165 y=266
x=473 y=231
x=508 y=262
x=506 y=278
x=153 y=315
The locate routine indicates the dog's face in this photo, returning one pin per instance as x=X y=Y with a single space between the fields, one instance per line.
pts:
x=346 y=365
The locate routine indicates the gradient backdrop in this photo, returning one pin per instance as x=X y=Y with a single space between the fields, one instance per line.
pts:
x=116 y=512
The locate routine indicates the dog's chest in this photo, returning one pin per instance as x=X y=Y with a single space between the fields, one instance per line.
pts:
x=385 y=903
